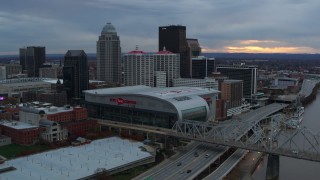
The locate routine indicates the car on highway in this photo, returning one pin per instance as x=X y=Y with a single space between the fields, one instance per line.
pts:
x=295 y=152
x=189 y=171
x=196 y=154
x=207 y=155
x=179 y=164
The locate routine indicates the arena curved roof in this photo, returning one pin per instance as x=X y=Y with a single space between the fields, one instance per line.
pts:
x=162 y=93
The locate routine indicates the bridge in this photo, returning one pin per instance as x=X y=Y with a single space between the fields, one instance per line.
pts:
x=256 y=131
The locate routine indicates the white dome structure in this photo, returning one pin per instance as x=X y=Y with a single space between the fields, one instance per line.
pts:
x=109 y=28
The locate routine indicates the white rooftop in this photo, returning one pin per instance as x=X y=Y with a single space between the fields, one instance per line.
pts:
x=54 y=109
x=163 y=93
x=17 y=124
x=47 y=110
x=75 y=162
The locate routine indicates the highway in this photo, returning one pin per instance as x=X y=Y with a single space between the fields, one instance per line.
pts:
x=199 y=164
x=187 y=165
x=227 y=165
x=258 y=114
x=250 y=118
x=182 y=156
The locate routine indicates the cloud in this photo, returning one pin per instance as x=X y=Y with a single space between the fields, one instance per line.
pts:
x=54 y=34
x=257 y=49
x=246 y=42
x=273 y=25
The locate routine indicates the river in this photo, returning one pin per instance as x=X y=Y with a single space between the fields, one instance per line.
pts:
x=295 y=169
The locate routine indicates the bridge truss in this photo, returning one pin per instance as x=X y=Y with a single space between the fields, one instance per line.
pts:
x=269 y=135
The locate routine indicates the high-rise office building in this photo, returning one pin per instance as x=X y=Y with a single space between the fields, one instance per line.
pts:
x=75 y=73
x=193 y=48
x=231 y=92
x=31 y=59
x=168 y=62
x=248 y=74
x=173 y=38
x=3 y=73
x=50 y=71
x=12 y=69
x=193 y=51
x=109 y=55
x=202 y=66
x=138 y=68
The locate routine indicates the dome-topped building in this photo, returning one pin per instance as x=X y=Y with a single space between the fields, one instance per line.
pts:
x=109 y=55
x=108 y=28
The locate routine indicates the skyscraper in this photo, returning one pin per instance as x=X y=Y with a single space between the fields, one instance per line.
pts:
x=31 y=59
x=75 y=73
x=173 y=38
x=193 y=50
x=138 y=68
x=168 y=62
x=248 y=74
x=109 y=55
x=202 y=66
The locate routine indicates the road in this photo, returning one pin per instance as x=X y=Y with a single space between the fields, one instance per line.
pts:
x=186 y=165
x=227 y=165
x=244 y=122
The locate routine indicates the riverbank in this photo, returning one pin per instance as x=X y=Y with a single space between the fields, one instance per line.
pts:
x=295 y=169
x=307 y=100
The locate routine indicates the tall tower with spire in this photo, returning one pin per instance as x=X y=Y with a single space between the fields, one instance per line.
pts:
x=109 y=55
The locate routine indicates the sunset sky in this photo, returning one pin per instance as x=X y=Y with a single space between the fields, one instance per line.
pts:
x=252 y=26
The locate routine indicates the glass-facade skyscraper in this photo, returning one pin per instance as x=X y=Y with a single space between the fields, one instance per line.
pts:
x=75 y=73
x=246 y=73
x=173 y=38
x=31 y=59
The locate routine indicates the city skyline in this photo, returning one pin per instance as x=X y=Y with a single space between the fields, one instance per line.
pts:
x=221 y=26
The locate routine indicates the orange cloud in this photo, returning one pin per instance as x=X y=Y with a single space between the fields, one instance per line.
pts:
x=261 y=46
x=247 y=42
x=258 y=49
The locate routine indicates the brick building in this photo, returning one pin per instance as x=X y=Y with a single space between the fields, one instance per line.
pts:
x=221 y=109
x=75 y=119
x=232 y=92
x=67 y=114
x=20 y=132
x=79 y=128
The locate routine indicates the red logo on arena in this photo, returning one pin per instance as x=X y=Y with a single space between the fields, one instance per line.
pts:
x=120 y=101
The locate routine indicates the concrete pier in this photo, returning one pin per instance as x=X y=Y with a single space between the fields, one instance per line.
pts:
x=273 y=167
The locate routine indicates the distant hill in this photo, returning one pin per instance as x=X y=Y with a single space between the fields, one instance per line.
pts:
x=227 y=56
x=263 y=56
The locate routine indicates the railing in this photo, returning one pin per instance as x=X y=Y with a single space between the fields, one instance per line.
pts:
x=273 y=138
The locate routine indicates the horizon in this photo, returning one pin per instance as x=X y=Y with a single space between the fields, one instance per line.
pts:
x=202 y=53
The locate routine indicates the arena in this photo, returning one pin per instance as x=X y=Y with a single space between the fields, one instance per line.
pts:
x=160 y=107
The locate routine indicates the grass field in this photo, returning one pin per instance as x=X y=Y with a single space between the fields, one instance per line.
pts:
x=14 y=150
